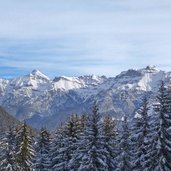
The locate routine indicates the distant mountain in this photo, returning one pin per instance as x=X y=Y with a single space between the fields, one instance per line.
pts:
x=6 y=120
x=42 y=101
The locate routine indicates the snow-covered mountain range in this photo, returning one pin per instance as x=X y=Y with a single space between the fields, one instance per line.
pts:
x=45 y=102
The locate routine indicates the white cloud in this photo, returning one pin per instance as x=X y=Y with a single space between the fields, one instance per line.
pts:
x=79 y=36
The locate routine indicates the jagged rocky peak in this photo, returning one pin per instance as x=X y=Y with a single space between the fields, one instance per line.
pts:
x=151 y=69
x=131 y=73
x=82 y=80
x=36 y=73
x=92 y=79
x=32 y=80
x=66 y=83
x=138 y=73
x=56 y=79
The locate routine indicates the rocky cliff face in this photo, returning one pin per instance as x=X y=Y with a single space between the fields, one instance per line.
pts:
x=42 y=101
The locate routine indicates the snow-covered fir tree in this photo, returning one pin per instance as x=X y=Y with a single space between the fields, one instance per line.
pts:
x=140 y=141
x=8 y=151
x=25 y=151
x=83 y=121
x=91 y=153
x=42 y=148
x=162 y=127
x=110 y=134
x=60 y=151
x=152 y=149
x=64 y=144
x=80 y=126
x=124 y=158
x=74 y=127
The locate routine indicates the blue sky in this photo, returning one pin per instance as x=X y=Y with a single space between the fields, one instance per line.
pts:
x=78 y=37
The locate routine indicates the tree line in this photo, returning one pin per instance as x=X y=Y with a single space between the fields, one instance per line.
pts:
x=95 y=143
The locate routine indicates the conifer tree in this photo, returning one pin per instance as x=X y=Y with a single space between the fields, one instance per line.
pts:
x=91 y=153
x=60 y=151
x=8 y=151
x=140 y=131
x=25 y=152
x=64 y=143
x=124 y=162
x=110 y=141
x=162 y=138
x=42 y=156
x=83 y=121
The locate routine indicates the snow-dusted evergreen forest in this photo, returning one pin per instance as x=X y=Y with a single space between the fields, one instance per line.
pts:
x=93 y=143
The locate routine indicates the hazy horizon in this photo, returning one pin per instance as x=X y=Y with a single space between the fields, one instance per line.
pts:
x=90 y=74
